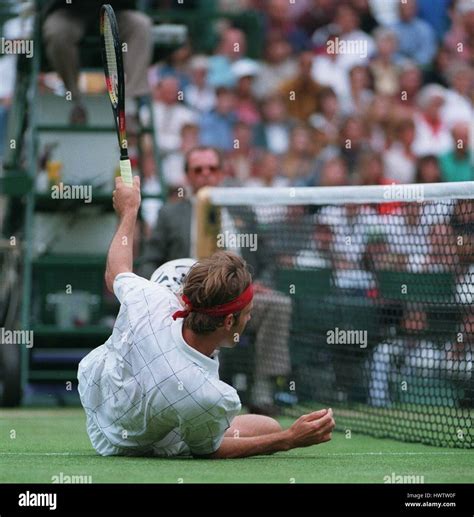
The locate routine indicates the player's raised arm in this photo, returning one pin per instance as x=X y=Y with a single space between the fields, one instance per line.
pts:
x=126 y=204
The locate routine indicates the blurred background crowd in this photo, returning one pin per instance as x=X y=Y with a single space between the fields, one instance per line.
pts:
x=311 y=93
x=355 y=92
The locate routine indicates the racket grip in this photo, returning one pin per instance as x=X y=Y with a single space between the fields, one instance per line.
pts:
x=126 y=172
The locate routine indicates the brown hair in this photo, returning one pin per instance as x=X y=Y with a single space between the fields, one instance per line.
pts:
x=213 y=281
x=402 y=124
x=324 y=92
x=202 y=148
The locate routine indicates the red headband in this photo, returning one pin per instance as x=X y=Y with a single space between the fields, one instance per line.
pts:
x=235 y=305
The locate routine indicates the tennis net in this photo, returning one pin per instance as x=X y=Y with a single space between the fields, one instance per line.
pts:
x=365 y=304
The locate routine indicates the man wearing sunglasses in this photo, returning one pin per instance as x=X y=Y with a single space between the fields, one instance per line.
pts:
x=175 y=233
x=175 y=237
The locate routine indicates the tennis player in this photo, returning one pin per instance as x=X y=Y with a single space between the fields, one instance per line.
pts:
x=153 y=388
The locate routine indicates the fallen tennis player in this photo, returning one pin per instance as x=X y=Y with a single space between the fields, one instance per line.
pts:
x=153 y=388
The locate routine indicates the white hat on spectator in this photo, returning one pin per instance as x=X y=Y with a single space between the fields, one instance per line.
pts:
x=199 y=62
x=465 y=6
x=430 y=92
x=245 y=68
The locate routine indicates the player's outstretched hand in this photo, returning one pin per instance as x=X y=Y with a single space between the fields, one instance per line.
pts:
x=311 y=429
x=126 y=199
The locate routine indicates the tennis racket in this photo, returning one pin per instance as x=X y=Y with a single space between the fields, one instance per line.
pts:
x=114 y=78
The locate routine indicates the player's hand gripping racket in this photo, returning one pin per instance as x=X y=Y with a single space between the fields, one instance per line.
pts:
x=114 y=78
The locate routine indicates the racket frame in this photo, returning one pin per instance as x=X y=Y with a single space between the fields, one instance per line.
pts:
x=118 y=107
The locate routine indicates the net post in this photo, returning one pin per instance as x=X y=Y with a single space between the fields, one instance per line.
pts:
x=207 y=217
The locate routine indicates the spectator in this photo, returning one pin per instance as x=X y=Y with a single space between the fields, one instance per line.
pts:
x=198 y=94
x=246 y=109
x=279 y=66
x=384 y=65
x=437 y=71
x=465 y=279
x=360 y=94
x=217 y=126
x=172 y=237
x=334 y=173
x=427 y=170
x=462 y=222
x=267 y=173
x=176 y=65
x=399 y=356
x=442 y=249
x=232 y=47
x=319 y=253
x=431 y=132
x=301 y=92
x=298 y=163
x=370 y=169
x=278 y=17
x=460 y=38
x=172 y=165
x=413 y=227
x=379 y=119
x=169 y=115
x=459 y=98
x=347 y=24
x=400 y=160
x=416 y=39
x=411 y=80
x=318 y=13
x=386 y=12
x=328 y=71
x=458 y=164
x=327 y=122
x=460 y=353
x=241 y=160
x=273 y=132
x=353 y=141
x=377 y=256
x=63 y=29
x=344 y=220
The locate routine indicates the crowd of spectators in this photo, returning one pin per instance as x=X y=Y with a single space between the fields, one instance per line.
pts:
x=350 y=92
x=356 y=92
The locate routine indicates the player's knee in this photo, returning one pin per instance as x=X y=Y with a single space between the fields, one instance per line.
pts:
x=271 y=425
x=253 y=425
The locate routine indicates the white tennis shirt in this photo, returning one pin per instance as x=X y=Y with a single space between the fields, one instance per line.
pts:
x=145 y=390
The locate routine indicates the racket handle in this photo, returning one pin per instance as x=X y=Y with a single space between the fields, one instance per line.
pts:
x=126 y=172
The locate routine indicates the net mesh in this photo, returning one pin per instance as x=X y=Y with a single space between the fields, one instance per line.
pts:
x=365 y=308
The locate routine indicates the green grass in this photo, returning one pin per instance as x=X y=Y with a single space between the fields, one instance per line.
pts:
x=54 y=441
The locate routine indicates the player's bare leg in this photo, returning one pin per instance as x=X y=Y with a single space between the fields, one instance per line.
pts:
x=252 y=425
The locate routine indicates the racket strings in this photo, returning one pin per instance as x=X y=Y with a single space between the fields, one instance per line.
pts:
x=111 y=60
